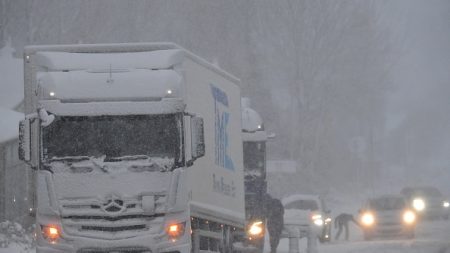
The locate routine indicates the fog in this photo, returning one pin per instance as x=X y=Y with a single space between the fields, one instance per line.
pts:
x=355 y=91
x=417 y=112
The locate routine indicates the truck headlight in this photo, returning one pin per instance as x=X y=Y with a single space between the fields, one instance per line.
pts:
x=176 y=230
x=256 y=229
x=317 y=219
x=51 y=233
x=418 y=204
x=367 y=219
x=445 y=204
x=409 y=217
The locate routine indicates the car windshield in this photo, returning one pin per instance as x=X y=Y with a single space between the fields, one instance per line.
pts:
x=304 y=204
x=113 y=136
x=425 y=191
x=387 y=204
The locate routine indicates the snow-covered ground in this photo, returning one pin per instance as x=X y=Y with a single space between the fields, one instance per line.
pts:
x=15 y=248
x=431 y=237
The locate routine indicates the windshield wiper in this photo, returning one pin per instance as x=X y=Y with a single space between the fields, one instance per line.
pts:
x=71 y=159
x=128 y=158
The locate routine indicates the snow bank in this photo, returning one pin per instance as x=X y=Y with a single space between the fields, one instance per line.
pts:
x=9 y=124
x=11 y=81
x=14 y=238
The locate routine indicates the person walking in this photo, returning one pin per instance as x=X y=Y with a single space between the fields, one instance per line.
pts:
x=274 y=214
x=341 y=223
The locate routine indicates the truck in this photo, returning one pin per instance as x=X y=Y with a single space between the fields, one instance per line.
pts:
x=136 y=148
x=254 y=139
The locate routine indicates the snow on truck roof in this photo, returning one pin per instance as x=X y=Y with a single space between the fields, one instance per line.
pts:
x=103 y=76
x=252 y=124
x=63 y=61
x=251 y=121
x=129 y=48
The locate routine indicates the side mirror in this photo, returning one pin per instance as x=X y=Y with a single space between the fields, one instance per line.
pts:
x=25 y=140
x=198 y=138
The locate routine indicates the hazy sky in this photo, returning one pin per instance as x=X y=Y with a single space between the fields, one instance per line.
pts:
x=422 y=72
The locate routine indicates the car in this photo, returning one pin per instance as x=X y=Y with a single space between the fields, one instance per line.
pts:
x=308 y=210
x=427 y=201
x=387 y=216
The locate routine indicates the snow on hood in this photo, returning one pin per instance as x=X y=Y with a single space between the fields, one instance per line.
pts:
x=11 y=81
x=96 y=178
x=297 y=217
x=9 y=124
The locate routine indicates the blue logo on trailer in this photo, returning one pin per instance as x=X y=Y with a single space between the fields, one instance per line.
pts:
x=222 y=118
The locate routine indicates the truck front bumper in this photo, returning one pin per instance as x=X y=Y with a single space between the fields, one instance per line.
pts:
x=143 y=244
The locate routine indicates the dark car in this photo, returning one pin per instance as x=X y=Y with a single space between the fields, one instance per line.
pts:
x=428 y=202
x=387 y=216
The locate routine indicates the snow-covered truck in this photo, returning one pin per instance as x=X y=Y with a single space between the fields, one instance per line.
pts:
x=137 y=148
x=254 y=147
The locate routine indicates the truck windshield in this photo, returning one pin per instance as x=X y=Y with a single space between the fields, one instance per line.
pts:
x=114 y=136
x=254 y=156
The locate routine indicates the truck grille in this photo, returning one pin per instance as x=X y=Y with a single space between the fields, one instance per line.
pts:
x=113 y=219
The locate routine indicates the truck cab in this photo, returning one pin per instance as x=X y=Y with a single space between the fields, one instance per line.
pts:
x=254 y=146
x=116 y=135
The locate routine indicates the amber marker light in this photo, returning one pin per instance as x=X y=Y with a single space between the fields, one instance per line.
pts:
x=51 y=233
x=175 y=230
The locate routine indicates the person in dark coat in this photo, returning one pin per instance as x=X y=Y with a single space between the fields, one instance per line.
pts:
x=274 y=214
x=341 y=222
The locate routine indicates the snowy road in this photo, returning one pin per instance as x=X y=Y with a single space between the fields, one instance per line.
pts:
x=431 y=237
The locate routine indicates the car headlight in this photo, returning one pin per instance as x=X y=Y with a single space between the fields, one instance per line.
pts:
x=418 y=204
x=256 y=229
x=317 y=219
x=409 y=217
x=445 y=204
x=318 y=222
x=368 y=219
x=328 y=220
